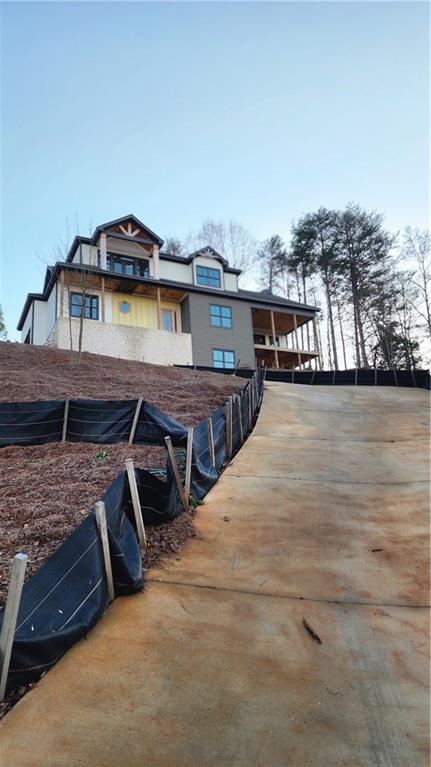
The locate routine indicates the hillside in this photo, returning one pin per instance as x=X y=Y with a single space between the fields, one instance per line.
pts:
x=39 y=373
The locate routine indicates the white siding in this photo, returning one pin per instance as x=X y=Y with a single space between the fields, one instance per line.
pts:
x=40 y=324
x=230 y=282
x=171 y=270
x=27 y=325
x=88 y=253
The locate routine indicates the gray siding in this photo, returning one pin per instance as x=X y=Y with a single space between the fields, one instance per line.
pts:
x=205 y=337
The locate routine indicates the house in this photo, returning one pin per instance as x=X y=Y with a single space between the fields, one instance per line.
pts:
x=141 y=303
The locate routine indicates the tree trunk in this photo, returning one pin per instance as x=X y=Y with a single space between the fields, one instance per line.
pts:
x=343 y=345
x=331 y=320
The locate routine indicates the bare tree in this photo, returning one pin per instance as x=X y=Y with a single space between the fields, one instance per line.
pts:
x=231 y=239
x=416 y=247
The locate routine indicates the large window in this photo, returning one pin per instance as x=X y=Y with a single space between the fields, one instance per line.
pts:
x=207 y=276
x=223 y=358
x=90 y=303
x=221 y=316
x=139 y=267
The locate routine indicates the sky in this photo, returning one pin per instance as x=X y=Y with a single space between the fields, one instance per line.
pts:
x=177 y=112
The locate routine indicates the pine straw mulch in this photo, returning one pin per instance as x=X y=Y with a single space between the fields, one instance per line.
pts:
x=36 y=373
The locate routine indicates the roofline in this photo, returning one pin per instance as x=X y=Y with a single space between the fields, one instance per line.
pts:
x=139 y=223
x=241 y=295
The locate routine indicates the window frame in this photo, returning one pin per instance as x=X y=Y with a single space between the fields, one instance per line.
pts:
x=141 y=266
x=92 y=307
x=173 y=315
x=223 y=352
x=219 y=315
x=208 y=279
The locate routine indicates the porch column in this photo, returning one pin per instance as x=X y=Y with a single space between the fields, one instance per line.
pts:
x=103 y=249
x=274 y=340
x=156 y=262
x=159 y=310
x=316 y=342
x=103 y=299
x=295 y=324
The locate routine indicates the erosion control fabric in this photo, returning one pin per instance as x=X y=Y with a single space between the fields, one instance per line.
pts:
x=66 y=597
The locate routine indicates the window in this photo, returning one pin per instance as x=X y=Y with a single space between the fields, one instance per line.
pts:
x=277 y=341
x=91 y=306
x=223 y=358
x=207 y=276
x=221 y=316
x=124 y=307
x=139 y=267
x=259 y=339
x=169 y=320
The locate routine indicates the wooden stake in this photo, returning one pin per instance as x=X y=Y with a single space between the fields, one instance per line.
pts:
x=174 y=465
x=211 y=441
x=252 y=397
x=140 y=529
x=356 y=376
x=10 y=617
x=103 y=532
x=250 y=411
x=65 y=419
x=229 y=427
x=239 y=413
x=135 y=421
x=189 y=456
x=375 y=376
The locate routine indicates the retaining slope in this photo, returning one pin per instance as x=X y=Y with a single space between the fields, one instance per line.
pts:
x=321 y=516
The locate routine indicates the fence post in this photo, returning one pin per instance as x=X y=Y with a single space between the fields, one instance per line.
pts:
x=239 y=412
x=251 y=393
x=140 y=529
x=189 y=456
x=211 y=441
x=375 y=376
x=65 y=419
x=229 y=427
x=103 y=532
x=413 y=376
x=174 y=465
x=356 y=376
x=333 y=378
x=135 y=421
x=250 y=411
x=10 y=617
x=395 y=376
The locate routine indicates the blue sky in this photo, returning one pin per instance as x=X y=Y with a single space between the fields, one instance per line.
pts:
x=182 y=111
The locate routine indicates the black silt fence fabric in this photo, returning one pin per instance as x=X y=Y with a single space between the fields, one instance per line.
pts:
x=30 y=423
x=218 y=418
x=245 y=413
x=344 y=378
x=66 y=597
x=100 y=420
x=154 y=425
x=159 y=500
x=236 y=438
x=204 y=474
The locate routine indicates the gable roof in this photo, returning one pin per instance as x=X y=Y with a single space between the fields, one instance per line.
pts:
x=125 y=220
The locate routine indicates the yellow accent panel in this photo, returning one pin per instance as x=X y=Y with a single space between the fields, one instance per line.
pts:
x=143 y=311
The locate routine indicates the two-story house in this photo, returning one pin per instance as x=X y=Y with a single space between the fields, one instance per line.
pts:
x=125 y=297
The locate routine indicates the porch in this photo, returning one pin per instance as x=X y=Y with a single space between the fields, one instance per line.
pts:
x=285 y=339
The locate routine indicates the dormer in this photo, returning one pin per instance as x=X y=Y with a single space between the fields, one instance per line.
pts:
x=209 y=268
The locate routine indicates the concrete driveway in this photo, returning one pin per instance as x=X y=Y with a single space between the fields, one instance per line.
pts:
x=322 y=516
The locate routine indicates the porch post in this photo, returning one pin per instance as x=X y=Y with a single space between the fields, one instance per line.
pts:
x=159 y=310
x=274 y=340
x=103 y=253
x=296 y=340
x=103 y=299
x=156 y=270
x=316 y=342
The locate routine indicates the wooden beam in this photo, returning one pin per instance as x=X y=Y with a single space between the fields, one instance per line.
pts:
x=239 y=414
x=65 y=418
x=189 y=456
x=228 y=415
x=211 y=441
x=10 y=617
x=134 y=494
x=103 y=532
x=103 y=299
x=135 y=421
x=274 y=340
x=159 y=309
x=295 y=324
x=174 y=465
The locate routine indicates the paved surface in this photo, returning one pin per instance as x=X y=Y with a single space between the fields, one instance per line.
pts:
x=323 y=515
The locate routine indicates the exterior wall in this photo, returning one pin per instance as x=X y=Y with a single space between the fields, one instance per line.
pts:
x=159 y=347
x=171 y=270
x=231 y=282
x=40 y=324
x=143 y=313
x=205 y=337
x=27 y=325
x=52 y=309
x=88 y=253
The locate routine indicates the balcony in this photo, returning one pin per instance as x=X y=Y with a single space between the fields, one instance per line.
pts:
x=283 y=339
